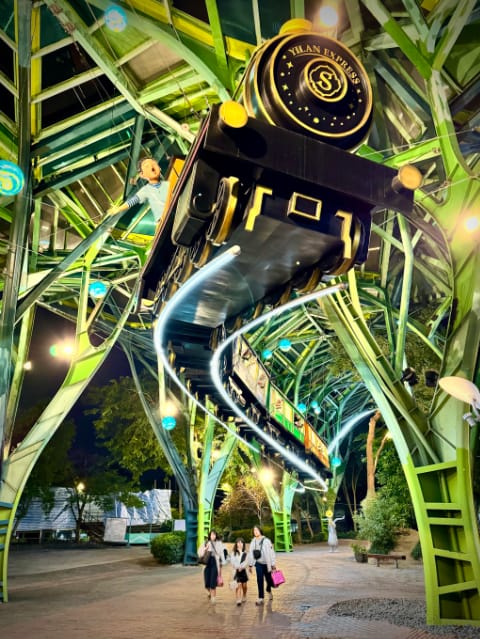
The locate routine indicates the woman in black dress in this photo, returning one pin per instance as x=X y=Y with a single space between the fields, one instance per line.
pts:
x=212 y=574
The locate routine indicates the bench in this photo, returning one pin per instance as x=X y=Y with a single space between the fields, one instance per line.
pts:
x=386 y=558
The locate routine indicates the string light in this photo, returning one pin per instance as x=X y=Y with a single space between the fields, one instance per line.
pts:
x=12 y=179
x=115 y=18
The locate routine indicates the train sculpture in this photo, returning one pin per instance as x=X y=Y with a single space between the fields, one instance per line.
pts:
x=272 y=174
x=251 y=385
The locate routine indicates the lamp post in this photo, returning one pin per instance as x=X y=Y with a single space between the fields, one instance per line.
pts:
x=466 y=391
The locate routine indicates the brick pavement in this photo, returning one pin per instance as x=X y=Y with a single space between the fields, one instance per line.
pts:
x=122 y=593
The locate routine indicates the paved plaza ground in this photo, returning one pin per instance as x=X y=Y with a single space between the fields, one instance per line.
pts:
x=123 y=593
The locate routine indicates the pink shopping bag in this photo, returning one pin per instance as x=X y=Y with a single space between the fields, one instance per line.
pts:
x=277 y=578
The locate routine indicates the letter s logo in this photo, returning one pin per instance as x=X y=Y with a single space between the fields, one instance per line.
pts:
x=324 y=80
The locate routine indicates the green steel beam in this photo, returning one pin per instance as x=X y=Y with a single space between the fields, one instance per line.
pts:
x=142 y=20
x=218 y=42
x=86 y=361
x=399 y=35
x=74 y=24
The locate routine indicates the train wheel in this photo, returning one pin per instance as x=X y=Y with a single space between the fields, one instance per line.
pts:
x=170 y=290
x=307 y=281
x=258 y=310
x=185 y=269
x=224 y=211
x=201 y=253
x=285 y=296
x=233 y=324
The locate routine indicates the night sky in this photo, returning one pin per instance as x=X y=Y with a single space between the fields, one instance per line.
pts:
x=48 y=372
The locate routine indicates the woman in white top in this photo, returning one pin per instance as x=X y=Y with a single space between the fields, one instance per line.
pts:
x=213 y=568
x=239 y=561
x=332 y=535
x=262 y=555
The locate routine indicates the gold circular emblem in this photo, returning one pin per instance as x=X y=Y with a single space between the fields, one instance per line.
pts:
x=313 y=84
x=326 y=79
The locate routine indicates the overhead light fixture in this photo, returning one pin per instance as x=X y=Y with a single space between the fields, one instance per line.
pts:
x=431 y=378
x=409 y=376
x=466 y=391
x=335 y=462
x=169 y=422
x=115 y=18
x=284 y=344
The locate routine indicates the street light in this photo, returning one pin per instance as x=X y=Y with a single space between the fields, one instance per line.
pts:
x=63 y=350
x=465 y=391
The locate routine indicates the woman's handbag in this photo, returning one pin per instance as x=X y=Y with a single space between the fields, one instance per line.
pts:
x=219 y=581
x=205 y=557
x=277 y=578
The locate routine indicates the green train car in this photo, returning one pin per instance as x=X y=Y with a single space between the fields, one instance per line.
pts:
x=250 y=384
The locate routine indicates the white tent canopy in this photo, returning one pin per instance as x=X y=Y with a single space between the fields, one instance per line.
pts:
x=156 y=510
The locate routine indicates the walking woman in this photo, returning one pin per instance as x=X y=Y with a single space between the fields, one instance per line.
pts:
x=332 y=535
x=212 y=575
x=239 y=570
x=262 y=555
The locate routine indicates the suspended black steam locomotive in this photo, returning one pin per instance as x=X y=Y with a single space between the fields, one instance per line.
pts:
x=273 y=174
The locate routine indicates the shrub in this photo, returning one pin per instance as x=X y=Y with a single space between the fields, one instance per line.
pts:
x=359 y=549
x=416 y=552
x=166 y=526
x=379 y=523
x=169 y=548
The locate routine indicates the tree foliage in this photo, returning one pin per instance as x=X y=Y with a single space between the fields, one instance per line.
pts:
x=391 y=479
x=53 y=468
x=383 y=516
x=245 y=504
x=123 y=428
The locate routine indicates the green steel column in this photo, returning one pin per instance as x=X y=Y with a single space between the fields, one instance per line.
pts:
x=18 y=232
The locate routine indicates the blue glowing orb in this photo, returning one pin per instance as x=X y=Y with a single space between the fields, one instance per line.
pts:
x=115 y=18
x=11 y=178
x=267 y=353
x=302 y=407
x=169 y=423
x=336 y=461
x=314 y=404
x=97 y=289
x=284 y=344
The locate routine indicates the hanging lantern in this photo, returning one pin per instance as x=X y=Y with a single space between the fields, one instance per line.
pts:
x=115 y=18
x=267 y=353
x=302 y=407
x=336 y=461
x=11 y=178
x=284 y=344
x=97 y=289
x=169 y=422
